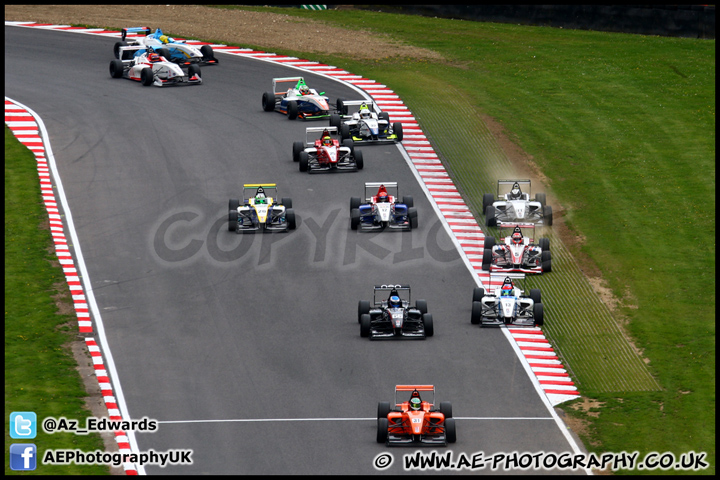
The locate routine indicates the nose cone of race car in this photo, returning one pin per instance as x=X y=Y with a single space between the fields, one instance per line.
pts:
x=416 y=421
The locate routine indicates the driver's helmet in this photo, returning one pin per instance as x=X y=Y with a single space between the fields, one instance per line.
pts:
x=164 y=38
x=517 y=238
x=154 y=57
x=394 y=302
x=304 y=90
x=515 y=192
x=383 y=197
x=327 y=140
x=506 y=290
x=415 y=403
x=365 y=113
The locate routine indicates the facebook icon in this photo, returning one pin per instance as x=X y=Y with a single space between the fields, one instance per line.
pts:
x=23 y=456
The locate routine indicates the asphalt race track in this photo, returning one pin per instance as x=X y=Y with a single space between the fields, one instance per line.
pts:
x=249 y=345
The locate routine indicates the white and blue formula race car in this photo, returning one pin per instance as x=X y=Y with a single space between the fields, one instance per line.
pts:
x=507 y=305
x=382 y=208
x=176 y=51
x=151 y=68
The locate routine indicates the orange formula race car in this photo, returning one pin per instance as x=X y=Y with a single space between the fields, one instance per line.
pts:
x=415 y=421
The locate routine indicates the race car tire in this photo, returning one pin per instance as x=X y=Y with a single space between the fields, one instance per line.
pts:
x=207 y=52
x=304 y=160
x=421 y=305
x=164 y=52
x=487 y=259
x=292 y=110
x=428 y=324
x=408 y=201
x=354 y=218
x=398 y=131
x=116 y=68
x=490 y=219
x=355 y=202
x=146 y=76
x=384 y=116
x=340 y=107
x=335 y=120
x=290 y=218
x=349 y=143
x=116 y=48
x=365 y=326
x=194 y=70
x=476 y=314
x=478 y=294
x=268 y=101
x=541 y=197
x=359 y=159
x=488 y=199
x=344 y=131
x=547 y=215
x=286 y=202
x=363 y=308
x=538 y=317
x=383 y=409
x=489 y=242
x=446 y=409
x=382 y=430
x=296 y=149
x=546 y=260
x=544 y=243
x=536 y=295
x=450 y=431
x=232 y=220
x=412 y=213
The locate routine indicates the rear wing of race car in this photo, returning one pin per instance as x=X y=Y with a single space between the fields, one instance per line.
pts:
x=358 y=103
x=283 y=83
x=318 y=130
x=249 y=190
x=382 y=292
x=145 y=31
x=504 y=186
x=412 y=388
x=371 y=189
x=527 y=229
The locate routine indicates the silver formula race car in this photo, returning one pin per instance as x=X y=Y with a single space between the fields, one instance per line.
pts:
x=382 y=208
x=176 y=51
x=260 y=211
x=367 y=124
x=390 y=316
x=514 y=204
x=323 y=152
x=519 y=250
x=151 y=68
x=292 y=97
x=507 y=305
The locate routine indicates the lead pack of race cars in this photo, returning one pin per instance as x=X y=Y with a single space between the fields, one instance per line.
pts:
x=153 y=58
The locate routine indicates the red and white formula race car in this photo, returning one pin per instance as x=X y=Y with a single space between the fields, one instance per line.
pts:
x=151 y=68
x=518 y=251
x=324 y=153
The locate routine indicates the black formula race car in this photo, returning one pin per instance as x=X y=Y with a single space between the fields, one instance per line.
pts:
x=390 y=316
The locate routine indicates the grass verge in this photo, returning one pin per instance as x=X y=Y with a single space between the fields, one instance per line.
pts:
x=40 y=374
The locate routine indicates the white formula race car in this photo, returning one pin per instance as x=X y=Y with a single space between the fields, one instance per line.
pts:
x=514 y=204
x=176 y=51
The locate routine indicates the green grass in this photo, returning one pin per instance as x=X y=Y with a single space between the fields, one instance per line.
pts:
x=623 y=126
x=40 y=374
